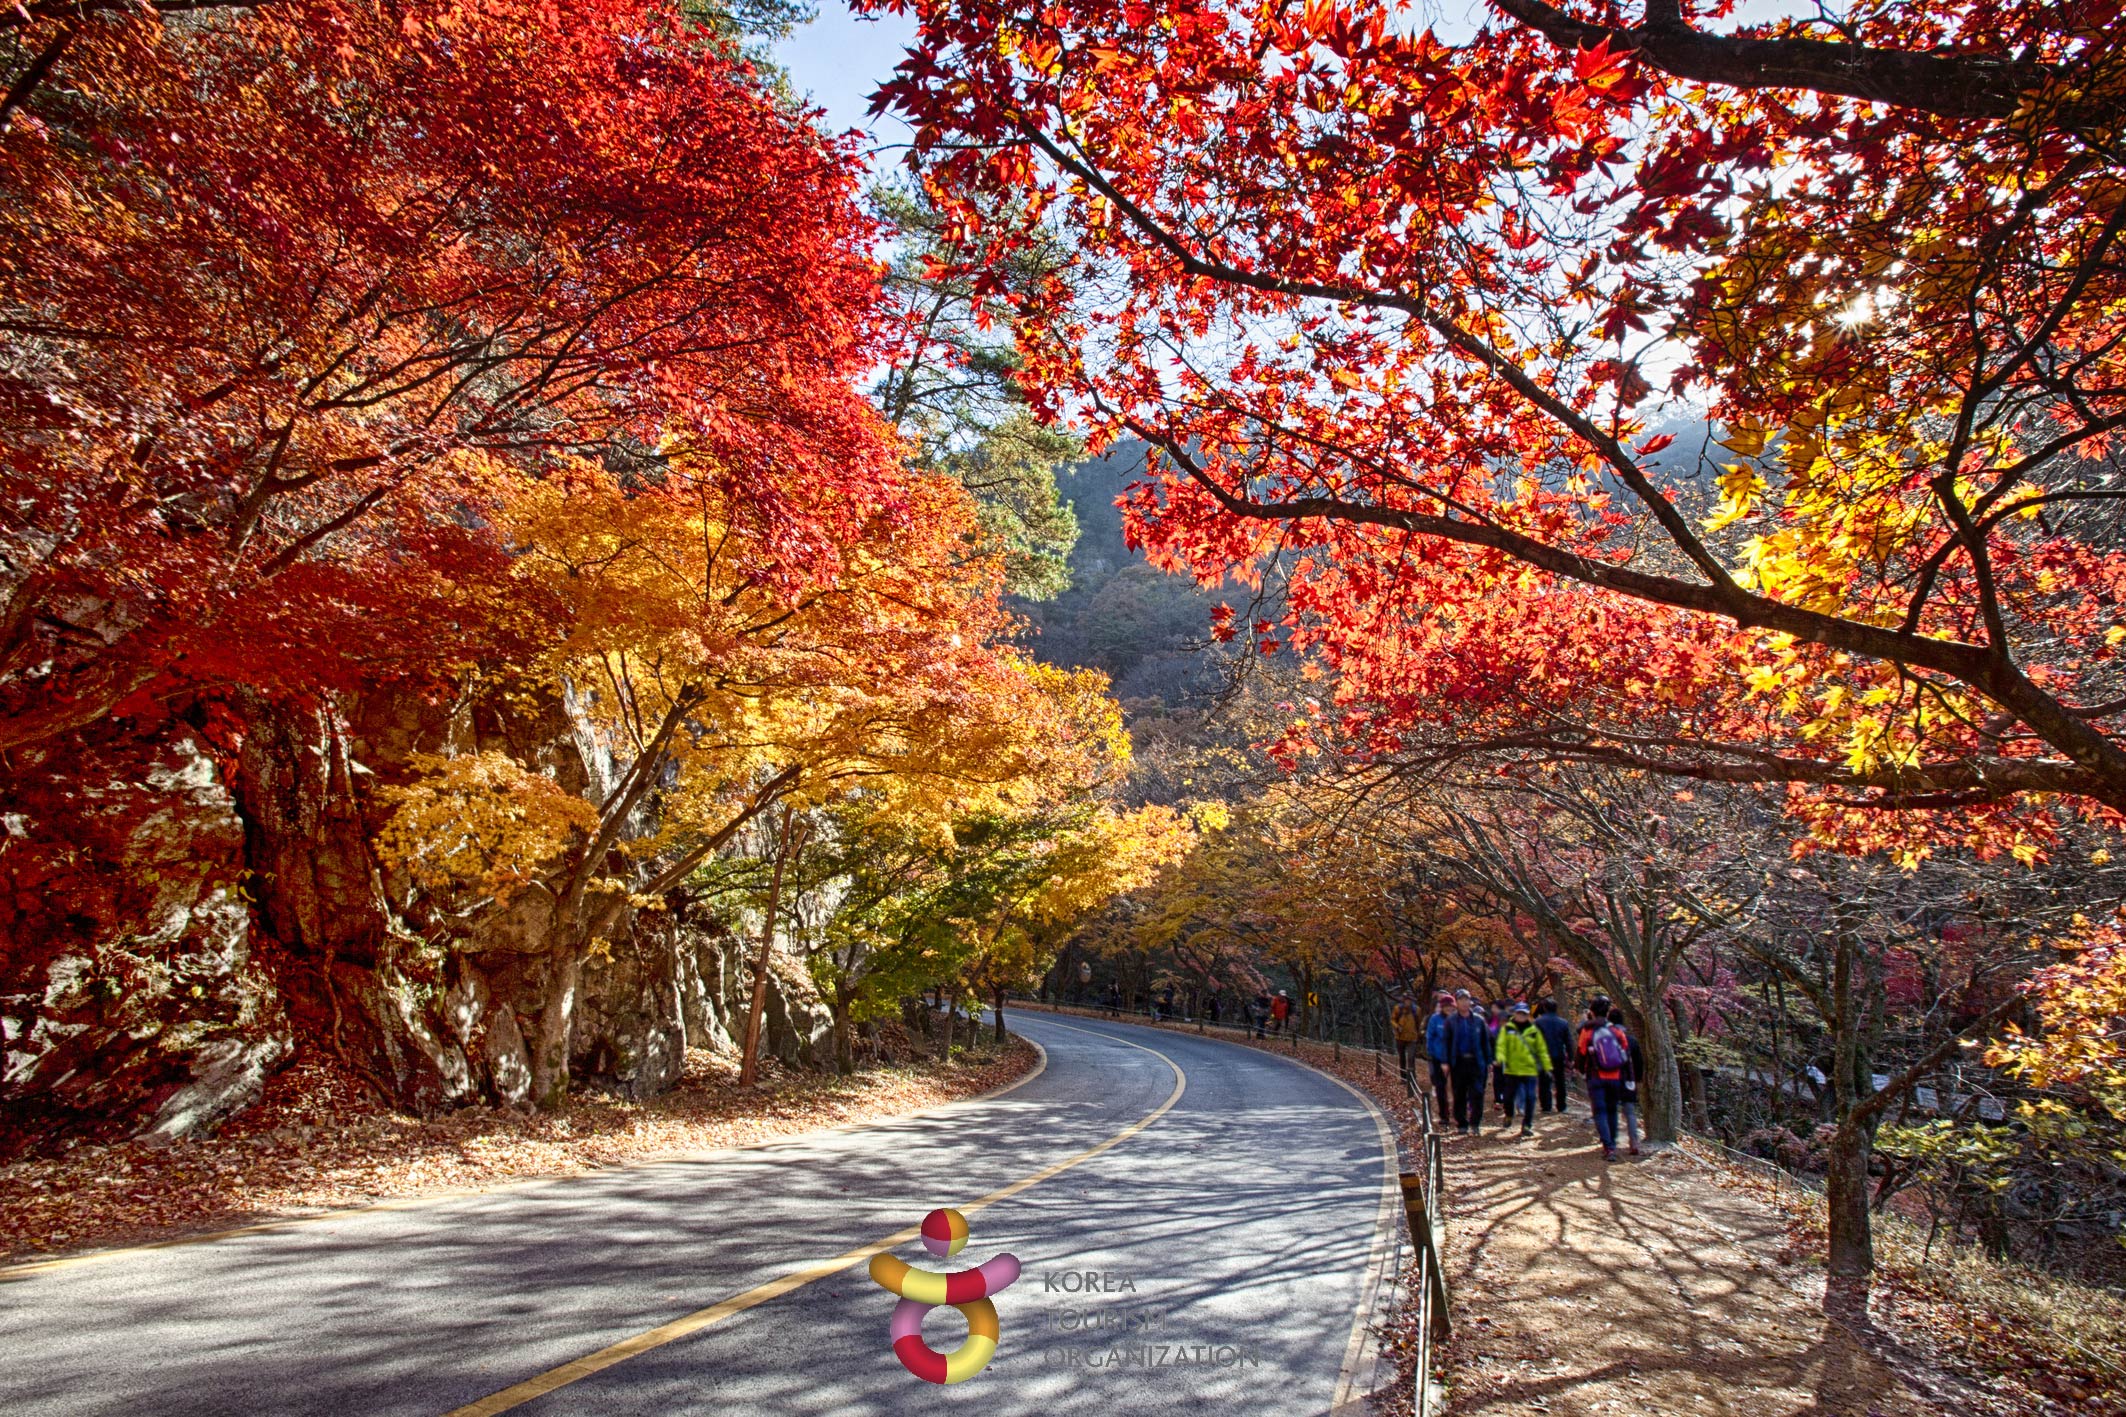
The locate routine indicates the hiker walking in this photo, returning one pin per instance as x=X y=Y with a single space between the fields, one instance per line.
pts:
x=1114 y=998
x=1436 y=1052
x=1403 y=1019
x=1468 y=1059
x=1557 y=1035
x=1523 y=1056
x=1597 y=1015
x=1280 y=1010
x=1628 y=1085
x=1495 y=1019
x=1608 y=1060
x=1259 y=1013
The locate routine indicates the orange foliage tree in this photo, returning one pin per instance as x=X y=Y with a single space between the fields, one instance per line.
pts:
x=713 y=690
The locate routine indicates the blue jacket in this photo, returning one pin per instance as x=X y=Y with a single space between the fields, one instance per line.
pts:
x=1468 y=1038
x=1436 y=1036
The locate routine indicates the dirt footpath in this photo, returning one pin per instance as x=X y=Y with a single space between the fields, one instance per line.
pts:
x=1635 y=1287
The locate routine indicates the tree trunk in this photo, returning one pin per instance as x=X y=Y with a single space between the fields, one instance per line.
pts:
x=1850 y=1238
x=952 y=1010
x=550 y=1040
x=1696 y=1100
x=998 y=995
x=1661 y=1090
x=844 y=1035
x=1851 y=1254
x=748 y=1067
x=1779 y=1083
x=1694 y=1090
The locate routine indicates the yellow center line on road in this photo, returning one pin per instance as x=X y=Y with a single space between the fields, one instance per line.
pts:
x=616 y=1353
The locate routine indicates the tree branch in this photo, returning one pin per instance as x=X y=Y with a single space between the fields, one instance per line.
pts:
x=1891 y=1090
x=1980 y=86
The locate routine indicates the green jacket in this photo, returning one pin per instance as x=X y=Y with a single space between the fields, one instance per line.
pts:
x=1522 y=1051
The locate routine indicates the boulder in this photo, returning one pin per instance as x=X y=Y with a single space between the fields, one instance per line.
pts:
x=797 y=1027
x=131 y=996
x=630 y=1025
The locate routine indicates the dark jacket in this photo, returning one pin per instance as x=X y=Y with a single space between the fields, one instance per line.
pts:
x=1558 y=1034
x=1468 y=1038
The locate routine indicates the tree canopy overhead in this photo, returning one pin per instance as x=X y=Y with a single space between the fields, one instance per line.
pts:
x=296 y=296
x=1401 y=316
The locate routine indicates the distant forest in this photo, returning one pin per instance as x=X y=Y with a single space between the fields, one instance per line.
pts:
x=1145 y=629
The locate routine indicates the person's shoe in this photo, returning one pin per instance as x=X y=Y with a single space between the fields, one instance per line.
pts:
x=1634 y=1151
x=1528 y=1131
x=1609 y=1154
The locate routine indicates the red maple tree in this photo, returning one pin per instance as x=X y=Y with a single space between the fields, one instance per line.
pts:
x=296 y=295
x=1392 y=310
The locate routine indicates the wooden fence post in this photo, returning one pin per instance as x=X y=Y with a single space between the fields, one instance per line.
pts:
x=1418 y=1215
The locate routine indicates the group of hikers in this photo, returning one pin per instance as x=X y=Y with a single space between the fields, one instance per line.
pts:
x=1263 y=1015
x=1525 y=1056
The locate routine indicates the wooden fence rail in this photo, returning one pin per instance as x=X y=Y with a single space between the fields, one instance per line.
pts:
x=1424 y=1210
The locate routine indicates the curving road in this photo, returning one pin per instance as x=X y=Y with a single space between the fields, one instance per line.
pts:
x=1202 y=1227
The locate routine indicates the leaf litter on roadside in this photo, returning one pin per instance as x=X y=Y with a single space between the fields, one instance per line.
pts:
x=320 y=1140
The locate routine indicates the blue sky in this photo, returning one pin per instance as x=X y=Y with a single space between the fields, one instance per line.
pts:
x=838 y=59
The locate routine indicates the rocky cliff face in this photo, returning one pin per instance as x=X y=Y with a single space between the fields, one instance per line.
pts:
x=182 y=900
x=132 y=997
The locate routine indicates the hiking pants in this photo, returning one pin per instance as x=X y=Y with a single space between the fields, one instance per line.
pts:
x=1551 y=1086
x=1406 y=1060
x=1523 y=1093
x=1440 y=1094
x=1468 y=1093
x=1603 y=1097
x=1630 y=1102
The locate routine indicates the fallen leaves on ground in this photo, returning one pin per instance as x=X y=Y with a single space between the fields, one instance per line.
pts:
x=1584 y=1288
x=1985 y=1323
x=320 y=1140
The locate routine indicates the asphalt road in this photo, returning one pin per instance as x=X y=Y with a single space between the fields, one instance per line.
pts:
x=1213 y=1256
